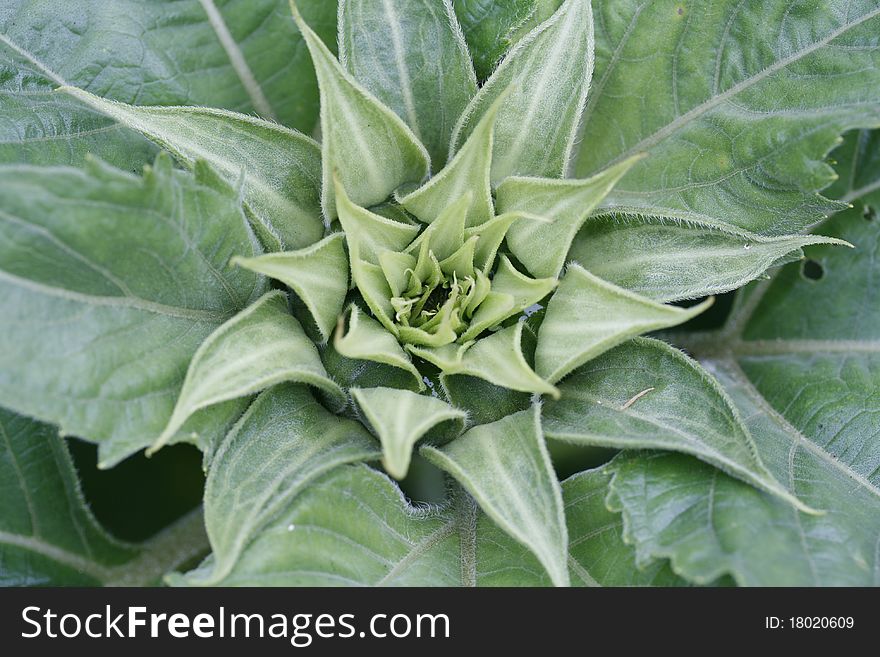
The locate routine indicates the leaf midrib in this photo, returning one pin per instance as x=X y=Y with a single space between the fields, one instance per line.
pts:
x=45 y=70
x=782 y=347
x=133 y=302
x=733 y=368
x=25 y=490
x=420 y=548
x=707 y=105
x=237 y=60
x=402 y=71
x=57 y=554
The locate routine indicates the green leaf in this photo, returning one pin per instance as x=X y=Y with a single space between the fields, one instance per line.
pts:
x=446 y=234
x=512 y=292
x=48 y=537
x=597 y=555
x=361 y=337
x=39 y=126
x=491 y=234
x=409 y=54
x=565 y=204
x=858 y=164
x=241 y=55
x=597 y=552
x=283 y=443
x=588 y=316
x=373 y=286
x=261 y=346
x=400 y=418
x=665 y=261
x=129 y=275
x=505 y=466
x=497 y=358
x=356 y=373
x=645 y=394
x=467 y=172
x=369 y=147
x=317 y=274
x=352 y=527
x=743 y=103
x=492 y=27
x=799 y=358
x=280 y=169
x=369 y=234
x=710 y=524
x=549 y=72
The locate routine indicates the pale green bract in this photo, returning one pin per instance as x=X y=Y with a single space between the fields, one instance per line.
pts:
x=448 y=277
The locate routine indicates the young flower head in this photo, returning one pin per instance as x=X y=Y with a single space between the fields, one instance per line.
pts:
x=446 y=218
x=447 y=261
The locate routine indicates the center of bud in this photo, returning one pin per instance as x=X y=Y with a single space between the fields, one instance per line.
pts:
x=437 y=307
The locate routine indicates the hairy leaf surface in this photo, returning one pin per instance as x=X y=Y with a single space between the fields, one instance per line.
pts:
x=280 y=169
x=241 y=55
x=799 y=358
x=506 y=467
x=48 y=537
x=129 y=275
x=736 y=104
x=548 y=73
x=284 y=441
x=409 y=54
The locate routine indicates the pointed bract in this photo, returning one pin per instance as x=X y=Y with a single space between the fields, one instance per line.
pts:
x=468 y=171
x=506 y=467
x=318 y=274
x=280 y=168
x=368 y=233
x=401 y=418
x=646 y=394
x=410 y=53
x=261 y=346
x=363 y=142
x=588 y=316
x=543 y=246
x=499 y=359
x=362 y=337
x=550 y=72
x=512 y=292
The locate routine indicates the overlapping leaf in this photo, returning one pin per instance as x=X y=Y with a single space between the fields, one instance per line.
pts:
x=363 y=143
x=799 y=359
x=564 y=205
x=736 y=104
x=261 y=346
x=548 y=72
x=285 y=441
x=318 y=274
x=409 y=54
x=241 y=55
x=506 y=467
x=645 y=394
x=400 y=418
x=75 y=246
x=352 y=527
x=667 y=261
x=280 y=169
x=491 y=27
x=360 y=337
x=588 y=316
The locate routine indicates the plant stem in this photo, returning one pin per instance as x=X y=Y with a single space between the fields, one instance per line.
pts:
x=173 y=547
